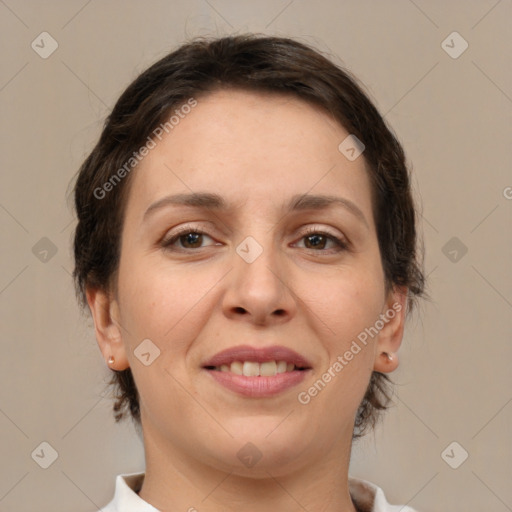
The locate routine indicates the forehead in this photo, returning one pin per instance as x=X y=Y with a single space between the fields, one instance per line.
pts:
x=251 y=148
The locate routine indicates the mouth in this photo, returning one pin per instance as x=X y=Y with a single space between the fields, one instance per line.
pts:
x=258 y=372
x=255 y=369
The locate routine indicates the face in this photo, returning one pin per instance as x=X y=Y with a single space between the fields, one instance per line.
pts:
x=257 y=271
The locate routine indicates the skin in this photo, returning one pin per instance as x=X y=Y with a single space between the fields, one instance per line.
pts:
x=256 y=151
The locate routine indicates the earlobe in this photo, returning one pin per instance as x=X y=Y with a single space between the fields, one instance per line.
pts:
x=391 y=334
x=105 y=313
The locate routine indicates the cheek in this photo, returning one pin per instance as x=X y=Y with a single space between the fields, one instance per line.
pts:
x=345 y=307
x=164 y=304
x=346 y=302
x=344 y=311
x=166 y=307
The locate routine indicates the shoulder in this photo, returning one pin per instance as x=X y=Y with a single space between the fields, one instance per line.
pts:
x=126 y=498
x=111 y=507
x=368 y=497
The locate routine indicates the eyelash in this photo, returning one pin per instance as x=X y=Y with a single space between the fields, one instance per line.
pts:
x=341 y=245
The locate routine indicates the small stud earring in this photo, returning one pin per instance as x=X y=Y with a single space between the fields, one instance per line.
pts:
x=389 y=356
x=111 y=360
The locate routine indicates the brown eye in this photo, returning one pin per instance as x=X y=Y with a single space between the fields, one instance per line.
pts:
x=316 y=240
x=191 y=240
x=185 y=239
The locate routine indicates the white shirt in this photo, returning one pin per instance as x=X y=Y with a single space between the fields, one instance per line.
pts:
x=365 y=495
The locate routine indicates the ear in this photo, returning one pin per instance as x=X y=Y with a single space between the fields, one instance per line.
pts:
x=390 y=336
x=105 y=313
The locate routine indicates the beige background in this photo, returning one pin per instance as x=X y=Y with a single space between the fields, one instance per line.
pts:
x=453 y=117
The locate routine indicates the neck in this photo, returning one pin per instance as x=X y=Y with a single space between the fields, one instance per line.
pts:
x=176 y=481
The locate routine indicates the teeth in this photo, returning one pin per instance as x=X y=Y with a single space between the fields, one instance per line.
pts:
x=237 y=367
x=268 y=369
x=253 y=369
x=281 y=367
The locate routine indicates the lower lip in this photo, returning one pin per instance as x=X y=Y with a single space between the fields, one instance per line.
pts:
x=258 y=387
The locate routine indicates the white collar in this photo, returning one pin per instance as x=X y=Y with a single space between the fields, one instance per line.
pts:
x=366 y=496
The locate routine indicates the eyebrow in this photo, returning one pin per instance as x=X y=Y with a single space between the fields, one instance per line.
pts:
x=298 y=202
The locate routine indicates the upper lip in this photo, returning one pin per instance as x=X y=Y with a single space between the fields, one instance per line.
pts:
x=257 y=355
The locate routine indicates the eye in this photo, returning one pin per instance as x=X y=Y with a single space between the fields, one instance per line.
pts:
x=188 y=237
x=316 y=240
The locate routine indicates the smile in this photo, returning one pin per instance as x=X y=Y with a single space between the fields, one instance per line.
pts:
x=254 y=369
x=257 y=372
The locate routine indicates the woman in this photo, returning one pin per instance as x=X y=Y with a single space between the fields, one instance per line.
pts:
x=246 y=245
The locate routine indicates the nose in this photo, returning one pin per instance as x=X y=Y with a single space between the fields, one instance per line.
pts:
x=259 y=291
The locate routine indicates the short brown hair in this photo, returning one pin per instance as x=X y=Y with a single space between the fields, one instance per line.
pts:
x=255 y=63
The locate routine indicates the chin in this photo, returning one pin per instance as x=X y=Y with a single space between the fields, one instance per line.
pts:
x=262 y=445
x=262 y=461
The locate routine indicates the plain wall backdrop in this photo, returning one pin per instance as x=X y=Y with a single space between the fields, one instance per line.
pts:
x=451 y=108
